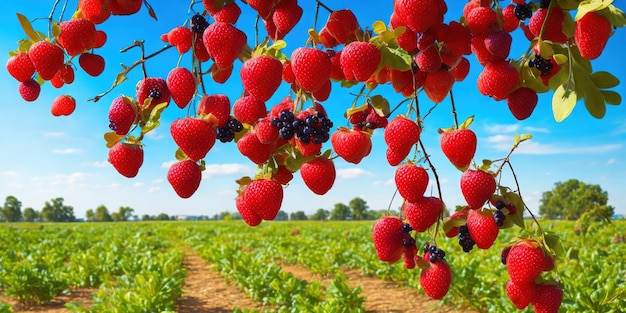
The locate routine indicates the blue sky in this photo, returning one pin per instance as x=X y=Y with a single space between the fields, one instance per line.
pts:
x=47 y=157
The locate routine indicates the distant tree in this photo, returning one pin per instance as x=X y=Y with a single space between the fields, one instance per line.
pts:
x=102 y=214
x=359 y=208
x=162 y=217
x=320 y=215
x=124 y=213
x=90 y=215
x=298 y=216
x=29 y=215
x=12 y=210
x=55 y=211
x=282 y=216
x=146 y=217
x=570 y=199
x=226 y=216
x=340 y=212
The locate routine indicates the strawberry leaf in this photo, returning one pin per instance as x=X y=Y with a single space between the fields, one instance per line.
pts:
x=614 y=15
x=452 y=223
x=516 y=200
x=180 y=155
x=563 y=102
x=155 y=118
x=590 y=6
x=611 y=97
x=28 y=28
x=604 y=79
x=112 y=138
x=467 y=122
x=395 y=58
x=380 y=104
x=554 y=244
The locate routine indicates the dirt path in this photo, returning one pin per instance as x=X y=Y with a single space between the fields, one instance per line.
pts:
x=57 y=305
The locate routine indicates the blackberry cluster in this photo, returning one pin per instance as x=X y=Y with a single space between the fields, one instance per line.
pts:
x=314 y=128
x=466 y=242
x=498 y=215
x=523 y=11
x=154 y=93
x=407 y=228
x=227 y=133
x=543 y=65
x=435 y=254
x=408 y=242
x=198 y=24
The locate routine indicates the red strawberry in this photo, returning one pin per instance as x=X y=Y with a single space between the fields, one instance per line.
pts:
x=20 y=67
x=438 y=85
x=417 y=15
x=457 y=219
x=29 y=90
x=553 y=29
x=126 y=158
x=459 y=146
x=97 y=11
x=423 y=213
x=265 y=131
x=263 y=7
x=387 y=235
x=47 y=58
x=408 y=256
x=77 y=35
x=182 y=86
x=482 y=227
x=184 y=176
x=498 y=80
x=521 y=294
x=246 y=213
x=548 y=298
x=212 y=6
x=181 y=38
x=359 y=60
x=319 y=175
x=282 y=175
x=285 y=17
x=122 y=115
x=154 y=88
x=218 y=105
x=428 y=60
x=436 y=279
x=224 y=42
x=522 y=102
x=461 y=70
x=343 y=26
x=499 y=44
x=261 y=75
x=91 y=63
x=311 y=67
x=125 y=7
x=323 y=93
x=65 y=75
x=351 y=145
x=201 y=53
x=264 y=197
x=477 y=186
x=228 y=14
x=63 y=105
x=456 y=38
x=287 y=73
x=591 y=35
x=411 y=181
x=525 y=261
x=250 y=146
x=480 y=19
x=249 y=110
x=401 y=134
x=195 y=137
x=509 y=21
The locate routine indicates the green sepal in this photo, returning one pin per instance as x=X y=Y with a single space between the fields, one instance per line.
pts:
x=180 y=155
x=111 y=138
x=155 y=118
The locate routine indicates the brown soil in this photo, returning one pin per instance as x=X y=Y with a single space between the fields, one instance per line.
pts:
x=57 y=305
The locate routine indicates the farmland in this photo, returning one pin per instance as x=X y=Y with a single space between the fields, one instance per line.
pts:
x=278 y=266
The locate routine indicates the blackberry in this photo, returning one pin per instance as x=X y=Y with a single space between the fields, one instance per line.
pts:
x=523 y=11
x=426 y=248
x=235 y=125
x=286 y=116
x=500 y=205
x=499 y=217
x=435 y=254
x=504 y=254
x=466 y=242
x=408 y=242
x=543 y=65
x=154 y=94
x=198 y=23
x=407 y=228
x=225 y=134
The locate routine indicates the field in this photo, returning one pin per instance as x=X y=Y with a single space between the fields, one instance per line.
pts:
x=276 y=267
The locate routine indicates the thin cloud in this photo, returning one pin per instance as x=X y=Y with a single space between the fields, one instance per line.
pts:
x=387 y=182
x=167 y=165
x=9 y=174
x=154 y=189
x=531 y=129
x=501 y=128
x=66 y=151
x=100 y=164
x=224 y=169
x=354 y=172
x=154 y=134
x=611 y=161
x=138 y=184
x=504 y=143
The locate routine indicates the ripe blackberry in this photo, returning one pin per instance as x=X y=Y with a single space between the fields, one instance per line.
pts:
x=523 y=11
x=407 y=228
x=225 y=134
x=408 y=242
x=543 y=65
x=435 y=254
x=499 y=217
x=500 y=205
x=466 y=242
x=504 y=254
x=198 y=24
x=155 y=94
x=235 y=125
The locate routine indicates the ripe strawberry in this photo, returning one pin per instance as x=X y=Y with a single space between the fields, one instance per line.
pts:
x=319 y=175
x=548 y=298
x=182 y=86
x=457 y=218
x=63 y=105
x=122 y=115
x=282 y=175
x=126 y=158
x=522 y=102
x=97 y=11
x=591 y=35
x=499 y=44
x=525 y=261
x=29 y=90
x=201 y=53
x=212 y=6
x=285 y=17
x=554 y=26
x=509 y=21
x=459 y=146
x=65 y=75
x=311 y=67
x=125 y=7
x=265 y=131
x=195 y=137
x=224 y=42
x=482 y=227
x=387 y=235
x=498 y=80
x=91 y=63
x=263 y=7
x=343 y=26
x=359 y=60
x=261 y=76
x=249 y=110
x=480 y=50
x=351 y=145
x=264 y=197
x=229 y=13
x=521 y=294
x=423 y=213
x=417 y=15
x=477 y=186
x=20 y=67
x=323 y=93
x=336 y=72
x=411 y=181
x=218 y=105
x=184 y=176
x=436 y=279
x=250 y=146
x=154 y=88
x=250 y=217
x=77 y=35
x=408 y=41
x=401 y=134
x=428 y=60
x=438 y=85
x=287 y=73
x=181 y=38
x=480 y=19
x=47 y=58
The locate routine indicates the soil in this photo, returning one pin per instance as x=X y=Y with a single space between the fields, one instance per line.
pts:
x=57 y=305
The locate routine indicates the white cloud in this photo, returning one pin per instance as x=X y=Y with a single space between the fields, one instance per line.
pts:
x=66 y=151
x=54 y=134
x=224 y=169
x=9 y=174
x=138 y=184
x=100 y=164
x=168 y=164
x=531 y=129
x=227 y=192
x=611 y=161
x=154 y=134
x=354 y=172
x=154 y=189
x=505 y=142
x=14 y=185
x=501 y=128
x=387 y=182
x=158 y=181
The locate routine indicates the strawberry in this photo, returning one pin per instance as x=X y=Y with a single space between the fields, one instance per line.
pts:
x=91 y=63
x=63 y=105
x=287 y=73
x=65 y=75
x=285 y=17
x=229 y=13
x=408 y=256
x=218 y=105
x=29 y=90
x=521 y=294
x=261 y=76
x=122 y=115
x=387 y=235
x=224 y=42
x=522 y=102
x=411 y=181
x=455 y=220
x=553 y=30
x=477 y=186
x=482 y=227
x=246 y=213
x=343 y=26
x=311 y=67
x=480 y=50
x=480 y=19
x=456 y=38
x=498 y=80
x=438 y=85
x=250 y=146
x=591 y=35
x=336 y=72
x=154 y=88
x=319 y=175
x=436 y=279
x=47 y=58
x=408 y=41
x=264 y=197
x=459 y=146
x=126 y=158
x=282 y=175
x=195 y=137
x=96 y=11
x=181 y=38
x=509 y=21
x=77 y=35
x=428 y=60
x=265 y=131
x=125 y=7
x=548 y=298
x=184 y=176
x=359 y=60
x=401 y=134
x=525 y=261
x=20 y=67
x=182 y=86
x=201 y=53
x=263 y=7
x=417 y=15
x=212 y=6
x=249 y=110
x=351 y=145
x=499 y=44
x=423 y=213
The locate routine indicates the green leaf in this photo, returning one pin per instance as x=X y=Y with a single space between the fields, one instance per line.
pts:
x=380 y=104
x=155 y=117
x=554 y=243
x=111 y=139
x=451 y=223
x=516 y=200
x=563 y=102
x=467 y=122
x=28 y=28
x=180 y=155
x=614 y=15
x=568 y=26
x=379 y=27
x=611 y=97
x=594 y=102
x=56 y=29
x=396 y=59
x=587 y=6
x=604 y=79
